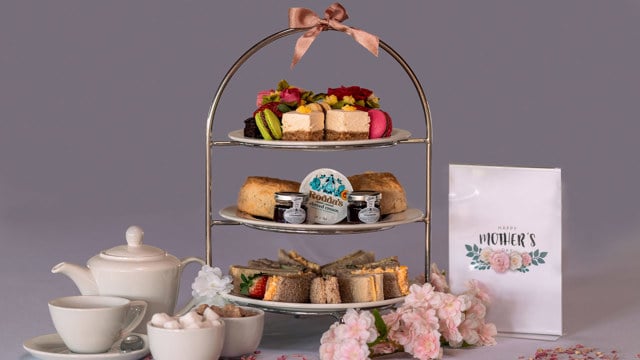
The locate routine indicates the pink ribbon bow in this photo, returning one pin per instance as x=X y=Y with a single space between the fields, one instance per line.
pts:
x=334 y=15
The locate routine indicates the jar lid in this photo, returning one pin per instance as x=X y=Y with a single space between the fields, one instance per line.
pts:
x=327 y=189
x=289 y=195
x=364 y=195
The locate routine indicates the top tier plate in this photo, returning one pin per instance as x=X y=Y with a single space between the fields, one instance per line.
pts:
x=397 y=135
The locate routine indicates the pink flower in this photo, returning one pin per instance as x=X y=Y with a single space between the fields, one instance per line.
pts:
x=328 y=351
x=468 y=330
x=526 y=259
x=475 y=288
x=515 y=260
x=262 y=94
x=422 y=295
x=329 y=335
x=426 y=319
x=351 y=349
x=485 y=254
x=487 y=333
x=426 y=346
x=358 y=326
x=451 y=309
x=500 y=261
x=477 y=310
x=438 y=280
x=450 y=332
x=290 y=96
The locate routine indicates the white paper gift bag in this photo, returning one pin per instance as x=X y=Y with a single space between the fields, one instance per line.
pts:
x=505 y=230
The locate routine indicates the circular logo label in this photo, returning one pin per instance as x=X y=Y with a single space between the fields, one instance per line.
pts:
x=327 y=201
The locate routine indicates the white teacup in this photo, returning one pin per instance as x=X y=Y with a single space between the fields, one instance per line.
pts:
x=92 y=324
x=243 y=334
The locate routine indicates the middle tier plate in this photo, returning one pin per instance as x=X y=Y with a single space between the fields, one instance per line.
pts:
x=387 y=222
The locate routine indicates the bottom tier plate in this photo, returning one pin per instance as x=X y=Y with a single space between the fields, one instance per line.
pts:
x=307 y=308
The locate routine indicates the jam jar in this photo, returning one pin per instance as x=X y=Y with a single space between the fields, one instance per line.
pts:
x=364 y=207
x=290 y=207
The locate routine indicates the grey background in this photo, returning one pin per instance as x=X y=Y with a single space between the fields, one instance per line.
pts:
x=102 y=125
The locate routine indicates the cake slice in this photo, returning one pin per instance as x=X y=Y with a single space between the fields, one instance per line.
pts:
x=303 y=124
x=346 y=124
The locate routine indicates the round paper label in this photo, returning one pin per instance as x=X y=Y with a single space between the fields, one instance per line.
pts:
x=327 y=201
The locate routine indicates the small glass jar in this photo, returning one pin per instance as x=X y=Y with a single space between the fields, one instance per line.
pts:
x=290 y=207
x=364 y=207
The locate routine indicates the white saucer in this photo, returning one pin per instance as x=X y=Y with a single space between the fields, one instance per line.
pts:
x=51 y=347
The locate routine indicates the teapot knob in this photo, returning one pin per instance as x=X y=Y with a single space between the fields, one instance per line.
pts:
x=134 y=236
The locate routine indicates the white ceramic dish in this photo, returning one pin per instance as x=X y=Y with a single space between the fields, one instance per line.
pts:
x=51 y=347
x=389 y=221
x=396 y=135
x=308 y=307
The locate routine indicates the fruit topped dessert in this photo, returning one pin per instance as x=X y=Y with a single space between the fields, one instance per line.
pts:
x=271 y=105
x=295 y=114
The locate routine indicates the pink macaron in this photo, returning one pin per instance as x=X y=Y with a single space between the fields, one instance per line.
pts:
x=380 y=124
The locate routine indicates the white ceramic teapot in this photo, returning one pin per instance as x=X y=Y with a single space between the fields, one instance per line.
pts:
x=134 y=271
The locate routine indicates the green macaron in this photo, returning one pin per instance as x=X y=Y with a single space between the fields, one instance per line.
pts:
x=269 y=125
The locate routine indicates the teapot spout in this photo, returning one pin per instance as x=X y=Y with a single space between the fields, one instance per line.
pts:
x=80 y=275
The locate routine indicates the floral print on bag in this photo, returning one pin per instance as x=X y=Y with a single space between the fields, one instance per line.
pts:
x=501 y=260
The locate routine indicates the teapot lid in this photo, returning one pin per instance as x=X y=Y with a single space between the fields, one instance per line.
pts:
x=134 y=250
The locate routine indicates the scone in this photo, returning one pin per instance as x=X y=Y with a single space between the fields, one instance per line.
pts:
x=394 y=198
x=256 y=196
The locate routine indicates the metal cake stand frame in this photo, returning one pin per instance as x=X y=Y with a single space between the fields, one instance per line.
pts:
x=426 y=141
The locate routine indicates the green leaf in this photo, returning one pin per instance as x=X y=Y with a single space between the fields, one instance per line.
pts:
x=468 y=247
x=534 y=262
x=536 y=253
x=475 y=248
x=541 y=261
x=284 y=108
x=543 y=254
x=283 y=84
x=380 y=325
x=470 y=254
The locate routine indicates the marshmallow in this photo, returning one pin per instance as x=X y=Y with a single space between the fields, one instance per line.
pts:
x=209 y=314
x=172 y=324
x=195 y=325
x=190 y=318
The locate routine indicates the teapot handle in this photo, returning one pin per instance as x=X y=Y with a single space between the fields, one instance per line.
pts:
x=190 y=259
x=193 y=302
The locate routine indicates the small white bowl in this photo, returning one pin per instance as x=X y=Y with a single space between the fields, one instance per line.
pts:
x=243 y=334
x=192 y=344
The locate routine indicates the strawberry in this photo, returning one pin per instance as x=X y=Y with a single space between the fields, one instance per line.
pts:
x=254 y=286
